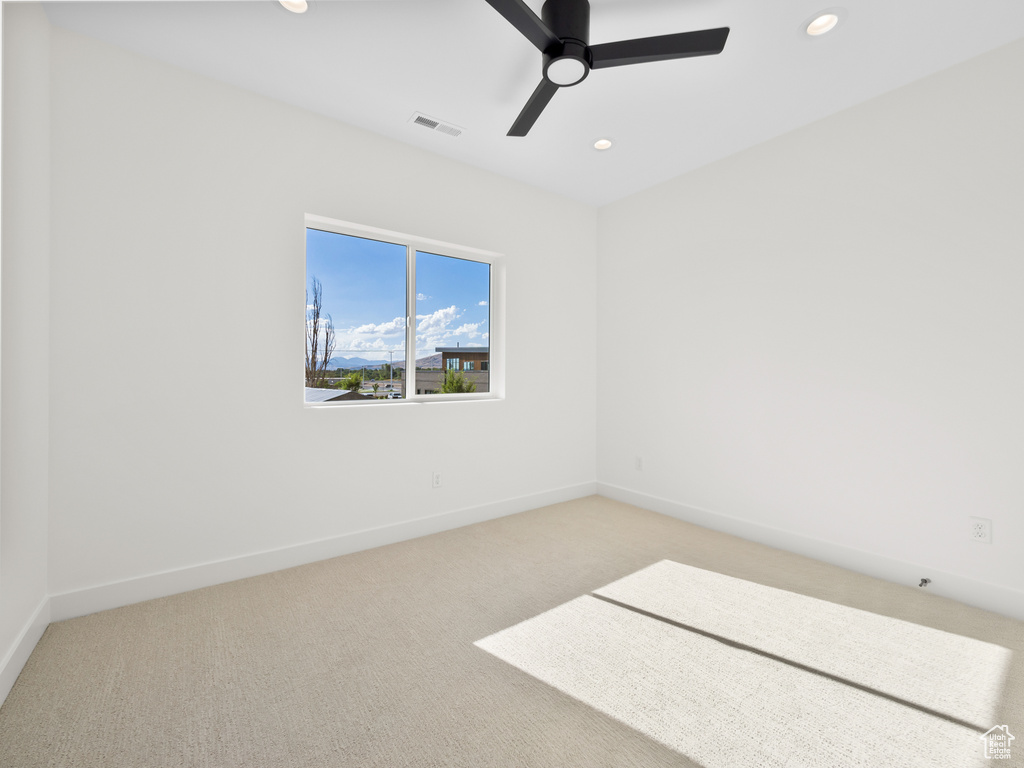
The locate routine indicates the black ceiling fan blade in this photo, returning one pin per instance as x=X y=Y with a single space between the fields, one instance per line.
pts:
x=518 y=14
x=541 y=96
x=706 y=42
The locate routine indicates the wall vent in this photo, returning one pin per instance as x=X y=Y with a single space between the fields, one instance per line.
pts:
x=418 y=118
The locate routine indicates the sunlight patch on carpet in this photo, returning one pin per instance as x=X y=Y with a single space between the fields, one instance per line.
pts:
x=959 y=676
x=727 y=707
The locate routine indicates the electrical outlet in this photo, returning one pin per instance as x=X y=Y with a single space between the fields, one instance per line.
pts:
x=981 y=530
x=435 y=480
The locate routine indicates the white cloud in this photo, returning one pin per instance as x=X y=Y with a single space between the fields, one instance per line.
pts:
x=360 y=345
x=482 y=304
x=432 y=329
x=436 y=321
x=468 y=329
x=436 y=329
x=370 y=337
x=384 y=329
x=422 y=297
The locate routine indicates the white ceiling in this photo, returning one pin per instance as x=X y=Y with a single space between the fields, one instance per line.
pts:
x=373 y=63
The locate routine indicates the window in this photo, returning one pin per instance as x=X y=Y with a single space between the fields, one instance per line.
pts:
x=392 y=317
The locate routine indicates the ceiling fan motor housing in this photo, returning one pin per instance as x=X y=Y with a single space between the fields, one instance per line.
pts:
x=569 y=62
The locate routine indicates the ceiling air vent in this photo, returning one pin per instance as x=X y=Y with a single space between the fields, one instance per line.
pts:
x=440 y=126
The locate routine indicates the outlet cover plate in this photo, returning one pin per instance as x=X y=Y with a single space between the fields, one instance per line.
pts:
x=981 y=530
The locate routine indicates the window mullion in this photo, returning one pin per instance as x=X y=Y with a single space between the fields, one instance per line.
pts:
x=410 y=322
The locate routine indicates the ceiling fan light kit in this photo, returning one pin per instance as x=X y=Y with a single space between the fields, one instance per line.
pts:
x=569 y=67
x=562 y=34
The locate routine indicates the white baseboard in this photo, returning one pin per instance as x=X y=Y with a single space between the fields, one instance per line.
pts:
x=80 y=602
x=14 y=661
x=991 y=597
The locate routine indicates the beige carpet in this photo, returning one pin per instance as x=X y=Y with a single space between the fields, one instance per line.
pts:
x=369 y=659
x=738 y=675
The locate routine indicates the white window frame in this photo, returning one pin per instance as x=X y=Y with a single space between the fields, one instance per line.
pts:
x=495 y=302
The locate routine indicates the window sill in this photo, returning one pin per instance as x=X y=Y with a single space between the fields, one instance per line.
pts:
x=419 y=400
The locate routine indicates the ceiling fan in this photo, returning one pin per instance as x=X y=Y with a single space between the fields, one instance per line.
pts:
x=562 y=32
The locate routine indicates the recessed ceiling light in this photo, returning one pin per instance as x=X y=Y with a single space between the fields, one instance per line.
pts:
x=295 y=6
x=602 y=144
x=824 y=23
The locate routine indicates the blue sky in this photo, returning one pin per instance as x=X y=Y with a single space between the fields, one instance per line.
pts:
x=364 y=292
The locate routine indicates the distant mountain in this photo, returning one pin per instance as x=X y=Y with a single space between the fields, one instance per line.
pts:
x=353 y=362
x=433 y=361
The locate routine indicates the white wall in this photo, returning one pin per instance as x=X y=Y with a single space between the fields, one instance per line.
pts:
x=178 y=435
x=824 y=337
x=24 y=390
